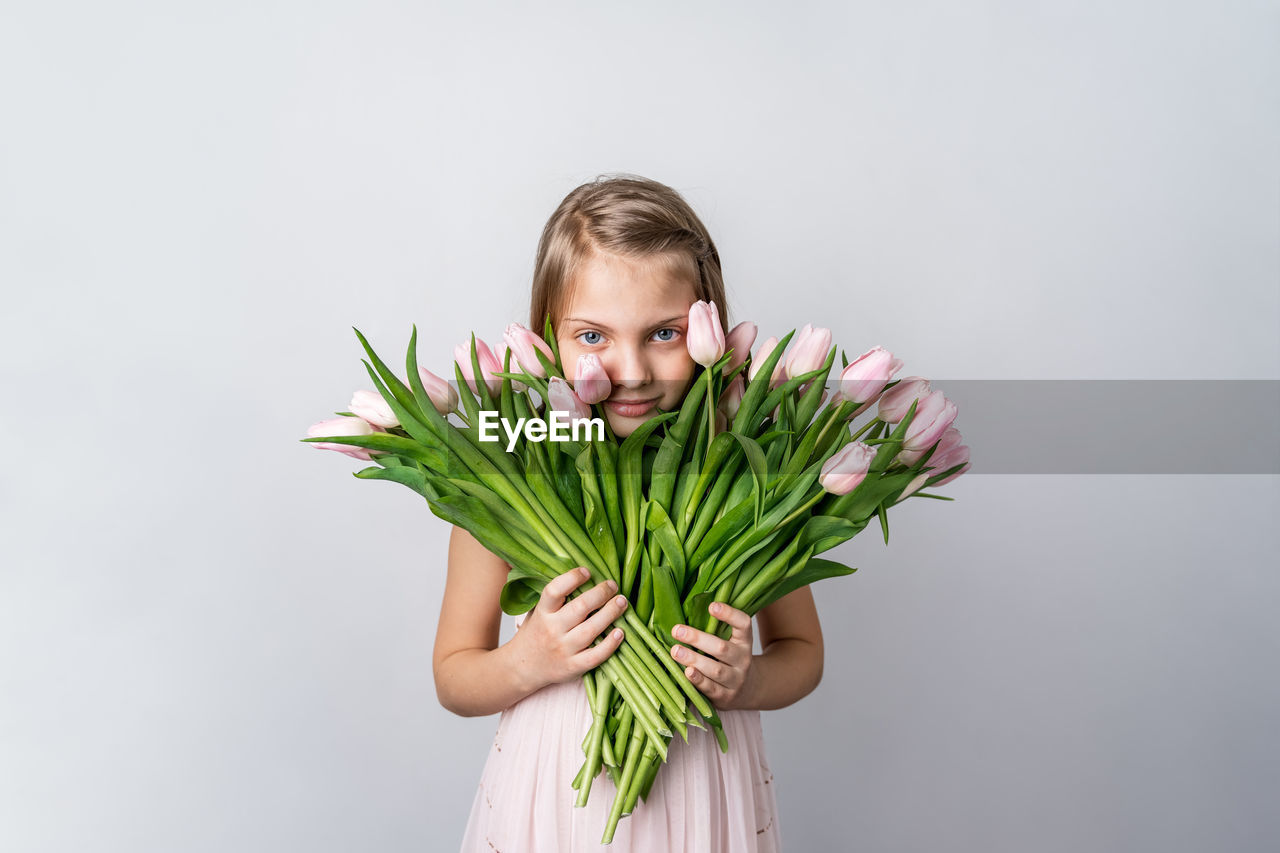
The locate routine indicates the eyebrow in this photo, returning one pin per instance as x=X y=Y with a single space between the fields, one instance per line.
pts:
x=607 y=329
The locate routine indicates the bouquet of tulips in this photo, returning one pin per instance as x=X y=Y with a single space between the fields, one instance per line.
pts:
x=729 y=498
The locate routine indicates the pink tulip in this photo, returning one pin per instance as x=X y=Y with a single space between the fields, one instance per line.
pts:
x=865 y=377
x=560 y=398
x=500 y=352
x=591 y=383
x=914 y=486
x=847 y=468
x=489 y=365
x=442 y=395
x=731 y=399
x=706 y=336
x=956 y=458
x=939 y=463
x=758 y=360
x=525 y=346
x=949 y=439
x=370 y=406
x=342 y=426
x=933 y=415
x=809 y=351
x=739 y=340
x=895 y=402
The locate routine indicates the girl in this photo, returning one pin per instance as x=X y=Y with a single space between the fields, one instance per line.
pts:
x=618 y=266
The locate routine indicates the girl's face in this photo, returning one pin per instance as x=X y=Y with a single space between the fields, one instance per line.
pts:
x=633 y=315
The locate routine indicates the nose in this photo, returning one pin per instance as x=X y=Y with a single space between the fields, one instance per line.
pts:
x=630 y=368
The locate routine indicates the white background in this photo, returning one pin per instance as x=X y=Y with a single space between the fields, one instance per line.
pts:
x=213 y=638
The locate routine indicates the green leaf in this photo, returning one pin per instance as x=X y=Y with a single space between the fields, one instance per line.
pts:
x=825 y=532
x=759 y=468
x=758 y=389
x=404 y=475
x=387 y=443
x=815 y=569
x=659 y=524
x=667 y=609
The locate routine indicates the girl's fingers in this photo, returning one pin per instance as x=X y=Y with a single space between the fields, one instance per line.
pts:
x=592 y=656
x=712 y=689
x=593 y=599
x=740 y=621
x=725 y=650
x=712 y=669
x=558 y=588
x=599 y=622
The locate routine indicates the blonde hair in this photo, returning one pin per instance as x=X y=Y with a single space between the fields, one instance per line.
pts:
x=624 y=215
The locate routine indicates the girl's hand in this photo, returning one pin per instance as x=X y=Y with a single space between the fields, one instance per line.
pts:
x=725 y=677
x=553 y=643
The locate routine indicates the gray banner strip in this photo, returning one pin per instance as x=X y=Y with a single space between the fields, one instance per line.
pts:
x=1116 y=426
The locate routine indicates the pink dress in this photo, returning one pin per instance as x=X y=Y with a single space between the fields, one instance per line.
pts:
x=703 y=801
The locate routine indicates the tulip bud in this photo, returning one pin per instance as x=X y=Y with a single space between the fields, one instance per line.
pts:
x=953 y=457
x=488 y=365
x=342 y=426
x=949 y=439
x=895 y=402
x=846 y=468
x=914 y=486
x=560 y=398
x=500 y=352
x=809 y=351
x=865 y=377
x=370 y=406
x=739 y=340
x=757 y=361
x=731 y=399
x=524 y=346
x=933 y=415
x=442 y=395
x=706 y=336
x=591 y=383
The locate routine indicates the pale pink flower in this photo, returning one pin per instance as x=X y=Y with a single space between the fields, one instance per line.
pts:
x=933 y=415
x=706 y=336
x=342 y=426
x=442 y=395
x=591 y=383
x=809 y=350
x=895 y=402
x=489 y=365
x=370 y=406
x=731 y=399
x=525 y=346
x=865 y=377
x=739 y=340
x=560 y=398
x=846 y=468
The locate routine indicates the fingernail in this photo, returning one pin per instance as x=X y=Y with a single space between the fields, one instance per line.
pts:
x=679 y=653
x=612 y=585
x=678 y=631
x=617 y=633
x=582 y=570
x=621 y=601
x=715 y=608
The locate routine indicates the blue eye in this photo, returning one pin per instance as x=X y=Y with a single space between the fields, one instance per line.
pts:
x=584 y=334
x=672 y=331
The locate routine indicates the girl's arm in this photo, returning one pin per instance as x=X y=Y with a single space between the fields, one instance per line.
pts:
x=474 y=675
x=788 y=668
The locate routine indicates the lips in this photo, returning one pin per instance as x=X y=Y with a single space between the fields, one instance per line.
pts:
x=631 y=409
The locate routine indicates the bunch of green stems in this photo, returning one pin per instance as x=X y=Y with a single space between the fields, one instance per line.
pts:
x=677 y=514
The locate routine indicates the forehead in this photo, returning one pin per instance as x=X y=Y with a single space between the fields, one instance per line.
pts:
x=630 y=291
